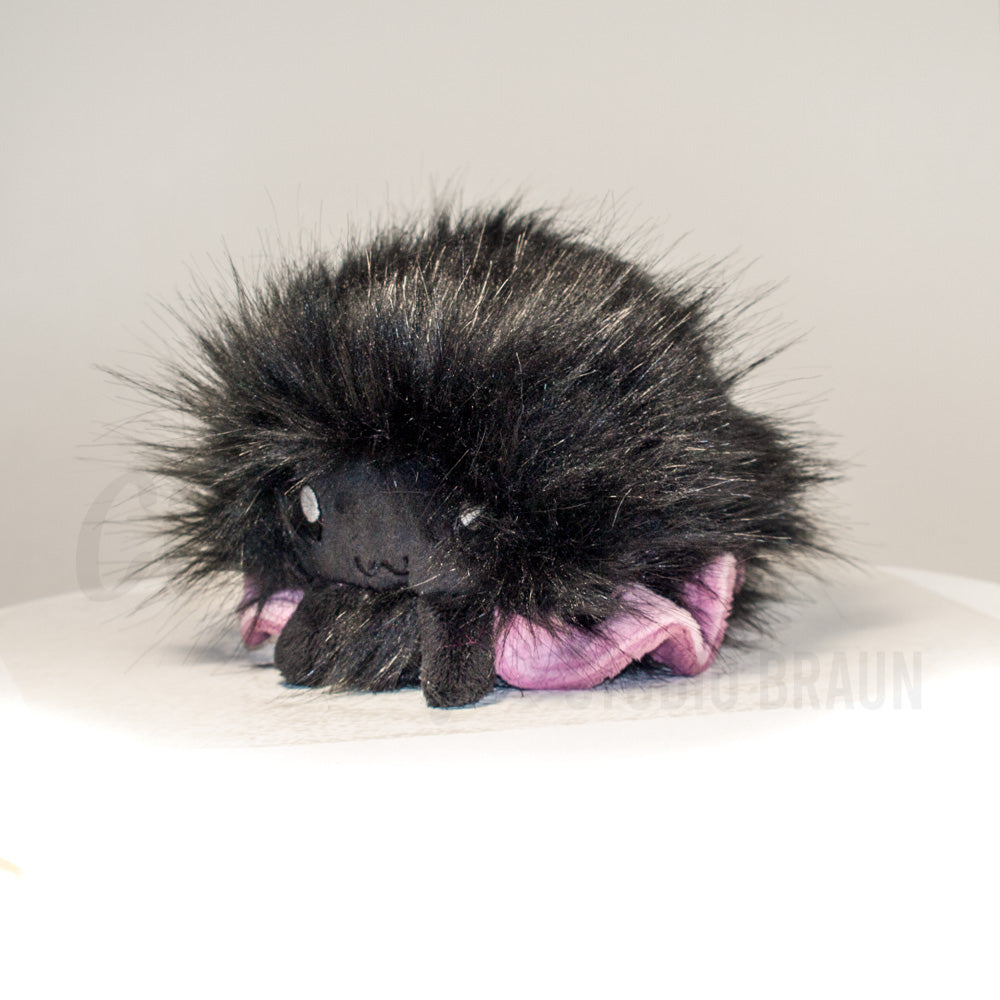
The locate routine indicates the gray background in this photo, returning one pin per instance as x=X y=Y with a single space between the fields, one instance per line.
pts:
x=847 y=152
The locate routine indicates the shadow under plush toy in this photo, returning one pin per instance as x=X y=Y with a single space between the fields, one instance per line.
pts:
x=479 y=449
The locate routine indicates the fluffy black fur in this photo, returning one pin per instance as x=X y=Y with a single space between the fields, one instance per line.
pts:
x=576 y=404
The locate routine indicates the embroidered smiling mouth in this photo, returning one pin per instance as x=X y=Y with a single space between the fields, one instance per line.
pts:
x=376 y=566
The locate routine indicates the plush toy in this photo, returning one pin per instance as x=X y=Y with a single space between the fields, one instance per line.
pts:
x=482 y=448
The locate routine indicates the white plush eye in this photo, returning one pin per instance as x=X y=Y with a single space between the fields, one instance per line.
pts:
x=469 y=516
x=309 y=504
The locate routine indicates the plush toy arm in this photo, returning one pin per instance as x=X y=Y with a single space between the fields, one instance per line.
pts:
x=348 y=637
x=305 y=652
x=456 y=650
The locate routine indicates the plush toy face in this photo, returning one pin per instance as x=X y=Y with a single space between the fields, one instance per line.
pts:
x=473 y=451
x=382 y=531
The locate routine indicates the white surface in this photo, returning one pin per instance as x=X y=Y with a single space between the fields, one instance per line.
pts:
x=166 y=675
x=785 y=851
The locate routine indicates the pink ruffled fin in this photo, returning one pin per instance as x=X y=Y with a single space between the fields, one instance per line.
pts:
x=683 y=638
x=267 y=623
x=709 y=597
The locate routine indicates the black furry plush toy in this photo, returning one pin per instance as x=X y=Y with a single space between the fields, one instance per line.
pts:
x=482 y=448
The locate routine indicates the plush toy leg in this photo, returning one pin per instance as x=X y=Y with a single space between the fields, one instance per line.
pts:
x=304 y=651
x=350 y=638
x=456 y=651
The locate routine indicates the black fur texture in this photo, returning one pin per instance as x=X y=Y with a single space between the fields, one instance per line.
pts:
x=550 y=422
